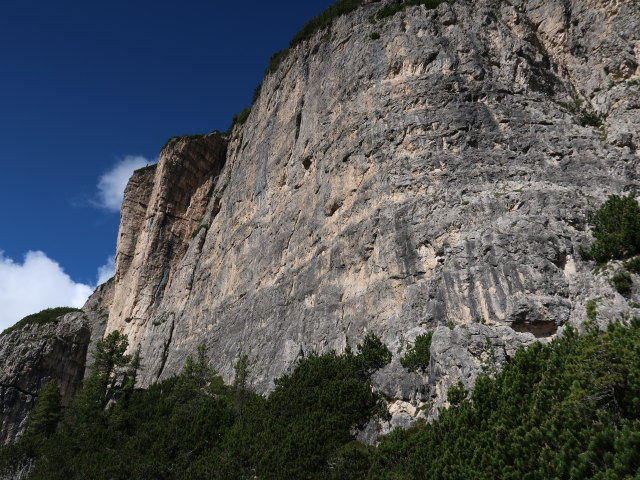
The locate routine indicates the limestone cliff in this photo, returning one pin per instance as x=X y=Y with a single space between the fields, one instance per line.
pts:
x=398 y=174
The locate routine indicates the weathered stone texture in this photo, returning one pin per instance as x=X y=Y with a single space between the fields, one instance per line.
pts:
x=460 y=354
x=29 y=358
x=441 y=173
x=33 y=355
x=163 y=207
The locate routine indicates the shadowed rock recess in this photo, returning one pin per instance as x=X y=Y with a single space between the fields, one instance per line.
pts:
x=394 y=176
x=439 y=174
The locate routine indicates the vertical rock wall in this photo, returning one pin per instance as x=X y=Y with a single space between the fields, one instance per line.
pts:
x=32 y=356
x=439 y=174
x=162 y=212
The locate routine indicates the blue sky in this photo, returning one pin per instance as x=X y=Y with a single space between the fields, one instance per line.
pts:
x=91 y=89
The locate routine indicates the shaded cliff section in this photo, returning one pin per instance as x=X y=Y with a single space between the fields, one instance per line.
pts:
x=37 y=353
x=434 y=167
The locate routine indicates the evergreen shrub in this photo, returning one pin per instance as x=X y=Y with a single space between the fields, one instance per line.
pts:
x=616 y=229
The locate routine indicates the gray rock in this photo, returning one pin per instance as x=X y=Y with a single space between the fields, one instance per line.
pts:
x=441 y=174
x=33 y=355
x=396 y=383
x=466 y=351
x=19 y=472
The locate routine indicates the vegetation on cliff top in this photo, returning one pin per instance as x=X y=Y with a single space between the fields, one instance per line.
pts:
x=324 y=20
x=567 y=409
x=394 y=8
x=177 y=138
x=338 y=9
x=49 y=315
x=148 y=168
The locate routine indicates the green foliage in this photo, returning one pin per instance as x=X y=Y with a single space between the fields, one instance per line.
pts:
x=457 y=394
x=590 y=119
x=393 y=8
x=201 y=227
x=591 y=309
x=372 y=355
x=192 y=426
x=148 y=168
x=573 y=107
x=322 y=21
x=49 y=315
x=616 y=229
x=239 y=118
x=256 y=93
x=622 y=282
x=633 y=265
x=17 y=455
x=275 y=60
x=47 y=412
x=568 y=409
x=312 y=411
x=325 y=19
x=418 y=355
x=177 y=138
x=240 y=386
x=42 y=423
x=317 y=23
x=489 y=363
x=110 y=354
x=586 y=116
x=197 y=374
x=242 y=117
x=110 y=380
x=599 y=373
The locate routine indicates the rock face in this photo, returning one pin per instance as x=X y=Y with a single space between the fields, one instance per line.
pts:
x=439 y=173
x=460 y=354
x=35 y=354
x=163 y=209
x=30 y=357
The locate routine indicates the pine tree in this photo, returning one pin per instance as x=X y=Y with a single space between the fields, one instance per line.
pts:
x=109 y=359
x=616 y=229
x=47 y=412
x=240 y=385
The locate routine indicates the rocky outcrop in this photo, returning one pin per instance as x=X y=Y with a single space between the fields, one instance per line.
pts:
x=36 y=353
x=440 y=173
x=33 y=355
x=163 y=211
x=460 y=354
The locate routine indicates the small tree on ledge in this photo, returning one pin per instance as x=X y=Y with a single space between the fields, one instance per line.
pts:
x=616 y=229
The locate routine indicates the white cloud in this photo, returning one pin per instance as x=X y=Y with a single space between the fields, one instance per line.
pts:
x=112 y=184
x=34 y=285
x=106 y=271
